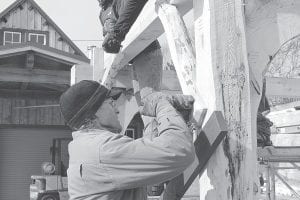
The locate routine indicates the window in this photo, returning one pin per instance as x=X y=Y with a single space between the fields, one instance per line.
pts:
x=130 y=133
x=38 y=38
x=12 y=37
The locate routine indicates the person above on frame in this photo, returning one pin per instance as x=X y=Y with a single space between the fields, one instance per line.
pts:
x=117 y=17
x=106 y=165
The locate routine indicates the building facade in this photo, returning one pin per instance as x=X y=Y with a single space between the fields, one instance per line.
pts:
x=36 y=58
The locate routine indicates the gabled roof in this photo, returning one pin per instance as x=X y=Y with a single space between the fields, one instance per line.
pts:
x=52 y=53
x=48 y=19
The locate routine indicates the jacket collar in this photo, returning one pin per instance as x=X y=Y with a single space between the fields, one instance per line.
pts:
x=83 y=132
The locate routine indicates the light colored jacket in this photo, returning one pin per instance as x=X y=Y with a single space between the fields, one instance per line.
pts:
x=109 y=166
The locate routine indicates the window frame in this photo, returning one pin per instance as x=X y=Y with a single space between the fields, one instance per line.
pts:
x=37 y=34
x=24 y=35
x=12 y=32
x=133 y=133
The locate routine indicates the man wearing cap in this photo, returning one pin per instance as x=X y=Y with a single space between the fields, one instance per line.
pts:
x=105 y=165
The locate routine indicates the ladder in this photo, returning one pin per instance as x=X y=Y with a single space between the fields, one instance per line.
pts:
x=209 y=130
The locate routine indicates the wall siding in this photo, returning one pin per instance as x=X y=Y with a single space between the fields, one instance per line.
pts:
x=29 y=18
x=10 y=115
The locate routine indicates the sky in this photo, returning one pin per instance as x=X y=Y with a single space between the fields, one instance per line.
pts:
x=77 y=18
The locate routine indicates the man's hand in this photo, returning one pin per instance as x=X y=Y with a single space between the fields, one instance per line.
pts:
x=111 y=43
x=181 y=103
x=149 y=103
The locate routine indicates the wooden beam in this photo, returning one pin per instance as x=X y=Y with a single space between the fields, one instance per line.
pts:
x=29 y=65
x=294 y=104
x=144 y=31
x=284 y=119
x=206 y=143
x=42 y=94
x=11 y=54
x=183 y=55
x=29 y=60
x=169 y=80
x=7 y=51
x=289 y=129
x=285 y=87
x=34 y=76
x=57 y=87
x=279 y=154
x=224 y=79
x=285 y=140
x=59 y=60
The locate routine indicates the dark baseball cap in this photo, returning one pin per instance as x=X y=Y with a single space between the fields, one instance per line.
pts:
x=82 y=100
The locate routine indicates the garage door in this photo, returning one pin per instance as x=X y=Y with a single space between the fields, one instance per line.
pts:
x=22 y=151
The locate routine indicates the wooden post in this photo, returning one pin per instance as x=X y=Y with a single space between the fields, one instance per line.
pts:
x=268 y=185
x=224 y=79
x=182 y=53
x=273 y=183
x=214 y=130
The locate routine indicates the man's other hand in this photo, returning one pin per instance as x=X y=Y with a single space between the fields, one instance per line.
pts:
x=182 y=103
x=111 y=43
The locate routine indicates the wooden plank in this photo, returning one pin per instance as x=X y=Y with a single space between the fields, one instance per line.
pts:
x=224 y=79
x=285 y=119
x=2 y=24
x=24 y=16
x=145 y=30
x=183 y=55
x=285 y=87
x=29 y=62
x=1 y=110
x=15 y=114
x=295 y=104
x=170 y=81
x=31 y=112
x=43 y=51
x=17 y=18
x=7 y=115
x=205 y=145
x=52 y=37
x=185 y=65
x=48 y=112
x=63 y=45
x=9 y=19
x=45 y=25
x=66 y=47
x=58 y=41
x=14 y=16
x=34 y=75
x=37 y=20
x=71 y=50
x=23 y=117
x=289 y=129
x=60 y=88
x=285 y=139
x=31 y=17
x=284 y=154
